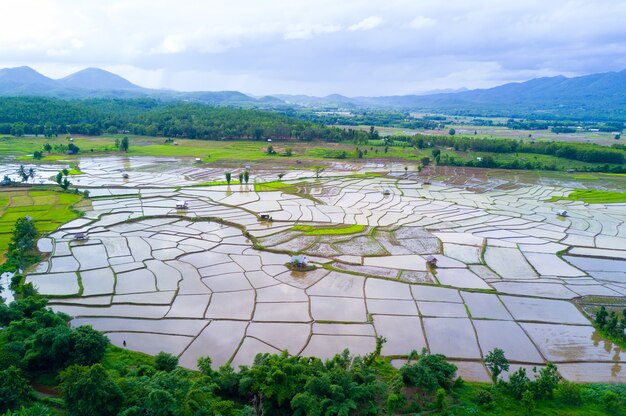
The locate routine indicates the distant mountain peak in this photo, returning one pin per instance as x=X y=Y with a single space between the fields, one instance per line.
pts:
x=24 y=75
x=97 y=79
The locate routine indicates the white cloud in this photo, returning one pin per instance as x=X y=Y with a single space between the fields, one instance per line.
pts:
x=421 y=22
x=366 y=24
x=317 y=46
x=308 y=31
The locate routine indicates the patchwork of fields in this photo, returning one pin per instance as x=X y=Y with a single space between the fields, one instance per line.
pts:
x=213 y=279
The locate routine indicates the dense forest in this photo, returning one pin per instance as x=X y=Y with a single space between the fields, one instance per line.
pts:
x=48 y=116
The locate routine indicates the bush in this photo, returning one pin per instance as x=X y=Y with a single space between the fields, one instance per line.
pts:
x=165 y=362
x=518 y=383
x=430 y=371
x=14 y=389
x=570 y=393
x=484 y=397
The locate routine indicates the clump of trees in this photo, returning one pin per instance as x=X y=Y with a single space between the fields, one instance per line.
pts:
x=122 y=145
x=26 y=174
x=22 y=250
x=62 y=180
x=612 y=324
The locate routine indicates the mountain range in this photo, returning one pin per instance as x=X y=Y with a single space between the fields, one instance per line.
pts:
x=600 y=96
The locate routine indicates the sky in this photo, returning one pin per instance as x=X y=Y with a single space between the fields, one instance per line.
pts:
x=320 y=47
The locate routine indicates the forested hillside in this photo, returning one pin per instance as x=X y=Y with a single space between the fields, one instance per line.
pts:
x=49 y=116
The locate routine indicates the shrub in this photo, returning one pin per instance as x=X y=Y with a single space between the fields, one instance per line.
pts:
x=165 y=362
x=484 y=397
x=570 y=393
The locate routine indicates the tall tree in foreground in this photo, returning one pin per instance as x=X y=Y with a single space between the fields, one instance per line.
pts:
x=496 y=362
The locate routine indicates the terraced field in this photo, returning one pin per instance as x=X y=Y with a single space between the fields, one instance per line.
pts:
x=213 y=280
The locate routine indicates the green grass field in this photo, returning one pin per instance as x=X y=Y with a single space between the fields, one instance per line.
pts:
x=336 y=230
x=593 y=197
x=252 y=151
x=49 y=210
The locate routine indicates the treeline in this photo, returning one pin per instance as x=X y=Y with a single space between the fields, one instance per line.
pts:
x=367 y=118
x=50 y=117
x=563 y=126
x=584 y=152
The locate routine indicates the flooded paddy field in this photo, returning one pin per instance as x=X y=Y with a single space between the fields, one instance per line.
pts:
x=457 y=267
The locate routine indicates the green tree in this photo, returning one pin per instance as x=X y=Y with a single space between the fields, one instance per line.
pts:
x=47 y=147
x=14 y=389
x=452 y=132
x=228 y=177
x=88 y=391
x=496 y=362
x=430 y=371
x=37 y=155
x=65 y=184
x=124 y=145
x=165 y=362
x=23 y=173
x=280 y=176
x=246 y=176
x=440 y=400
x=528 y=402
x=601 y=316
x=24 y=236
x=240 y=177
x=546 y=381
x=88 y=345
x=518 y=383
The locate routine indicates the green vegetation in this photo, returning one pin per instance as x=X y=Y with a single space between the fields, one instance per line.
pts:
x=611 y=325
x=95 y=378
x=272 y=186
x=48 y=209
x=51 y=117
x=593 y=197
x=332 y=230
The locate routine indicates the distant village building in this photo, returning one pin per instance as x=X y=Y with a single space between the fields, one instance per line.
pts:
x=432 y=261
x=386 y=192
x=265 y=217
x=125 y=175
x=182 y=205
x=562 y=213
x=80 y=236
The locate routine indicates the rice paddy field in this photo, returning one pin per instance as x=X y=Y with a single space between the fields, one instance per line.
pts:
x=49 y=210
x=455 y=260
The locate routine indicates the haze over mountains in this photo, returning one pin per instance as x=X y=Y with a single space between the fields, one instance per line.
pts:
x=600 y=96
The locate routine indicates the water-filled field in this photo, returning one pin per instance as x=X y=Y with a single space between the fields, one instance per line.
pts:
x=213 y=279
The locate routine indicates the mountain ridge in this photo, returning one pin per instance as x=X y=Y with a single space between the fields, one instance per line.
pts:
x=558 y=96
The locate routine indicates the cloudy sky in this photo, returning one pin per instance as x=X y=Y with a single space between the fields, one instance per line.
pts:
x=316 y=47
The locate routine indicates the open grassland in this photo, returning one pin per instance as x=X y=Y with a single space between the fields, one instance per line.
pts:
x=594 y=196
x=286 y=152
x=49 y=210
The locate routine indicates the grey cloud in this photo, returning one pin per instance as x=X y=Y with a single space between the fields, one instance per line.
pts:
x=354 y=47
